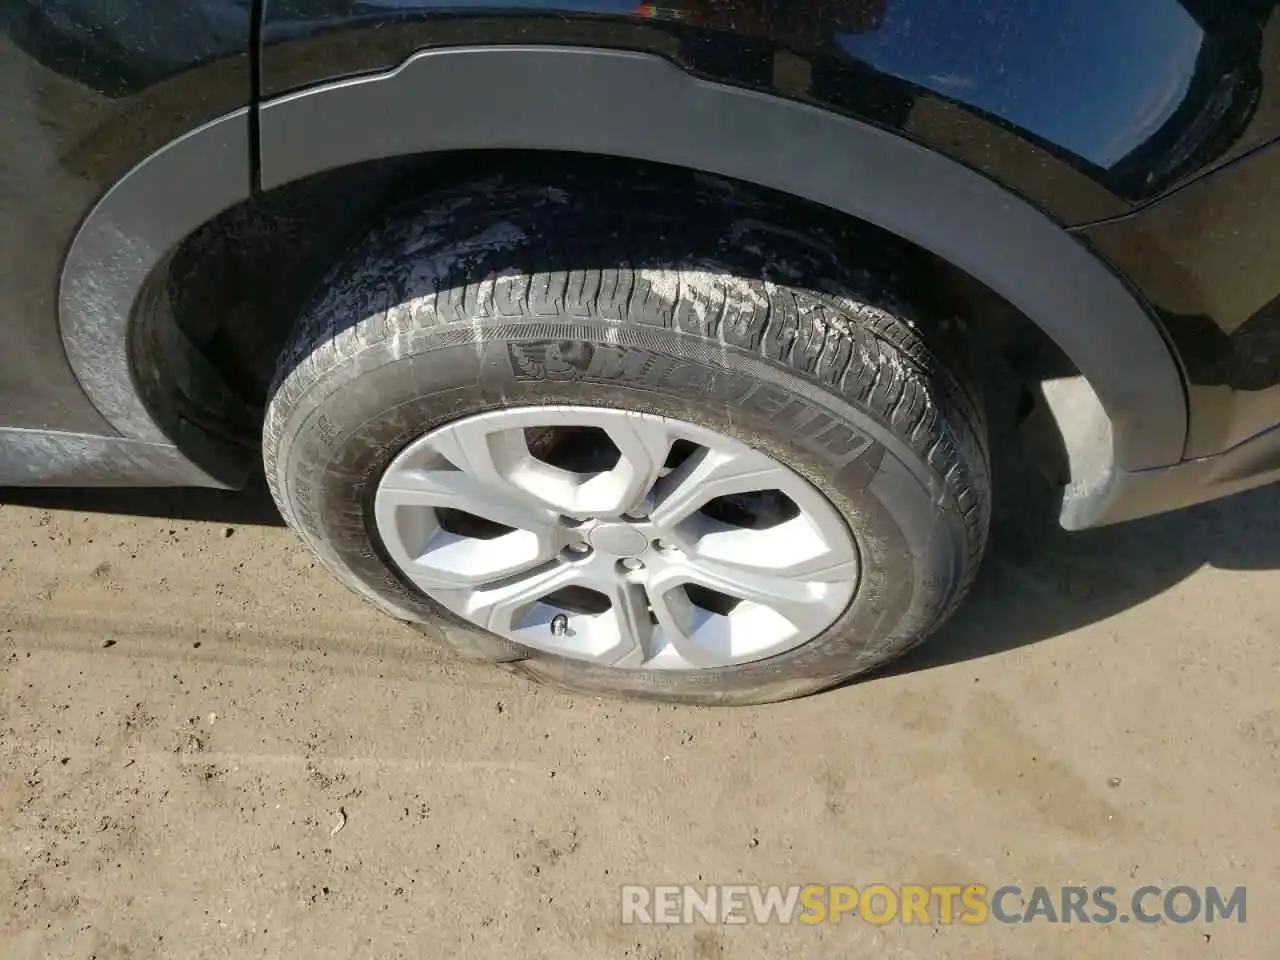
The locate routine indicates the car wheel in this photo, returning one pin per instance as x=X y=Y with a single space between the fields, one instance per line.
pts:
x=679 y=443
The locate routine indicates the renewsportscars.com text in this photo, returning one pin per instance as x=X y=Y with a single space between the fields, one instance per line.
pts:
x=936 y=904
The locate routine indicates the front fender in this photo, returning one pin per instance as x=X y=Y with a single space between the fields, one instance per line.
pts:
x=1087 y=108
x=625 y=104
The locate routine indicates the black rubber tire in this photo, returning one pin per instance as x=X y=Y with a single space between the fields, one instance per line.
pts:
x=690 y=298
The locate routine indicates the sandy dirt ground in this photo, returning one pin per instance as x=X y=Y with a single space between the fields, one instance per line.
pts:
x=190 y=707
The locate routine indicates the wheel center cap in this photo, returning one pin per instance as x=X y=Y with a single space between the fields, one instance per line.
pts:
x=618 y=540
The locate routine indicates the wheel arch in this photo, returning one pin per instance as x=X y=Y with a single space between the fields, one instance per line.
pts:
x=642 y=107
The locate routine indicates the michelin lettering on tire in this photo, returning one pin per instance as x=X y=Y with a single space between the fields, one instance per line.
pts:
x=565 y=360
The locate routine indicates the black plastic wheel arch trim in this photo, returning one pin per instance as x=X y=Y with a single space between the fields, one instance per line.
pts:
x=636 y=105
x=623 y=104
x=130 y=231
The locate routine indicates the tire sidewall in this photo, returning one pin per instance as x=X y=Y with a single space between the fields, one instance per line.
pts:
x=332 y=432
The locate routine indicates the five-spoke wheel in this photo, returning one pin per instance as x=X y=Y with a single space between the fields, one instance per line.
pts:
x=616 y=537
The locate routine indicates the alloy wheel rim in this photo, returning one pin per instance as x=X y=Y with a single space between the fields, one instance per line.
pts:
x=616 y=537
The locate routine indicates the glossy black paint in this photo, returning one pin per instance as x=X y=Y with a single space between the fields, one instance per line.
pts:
x=1095 y=111
x=88 y=88
x=1208 y=259
x=1144 y=126
x=1087 y=107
